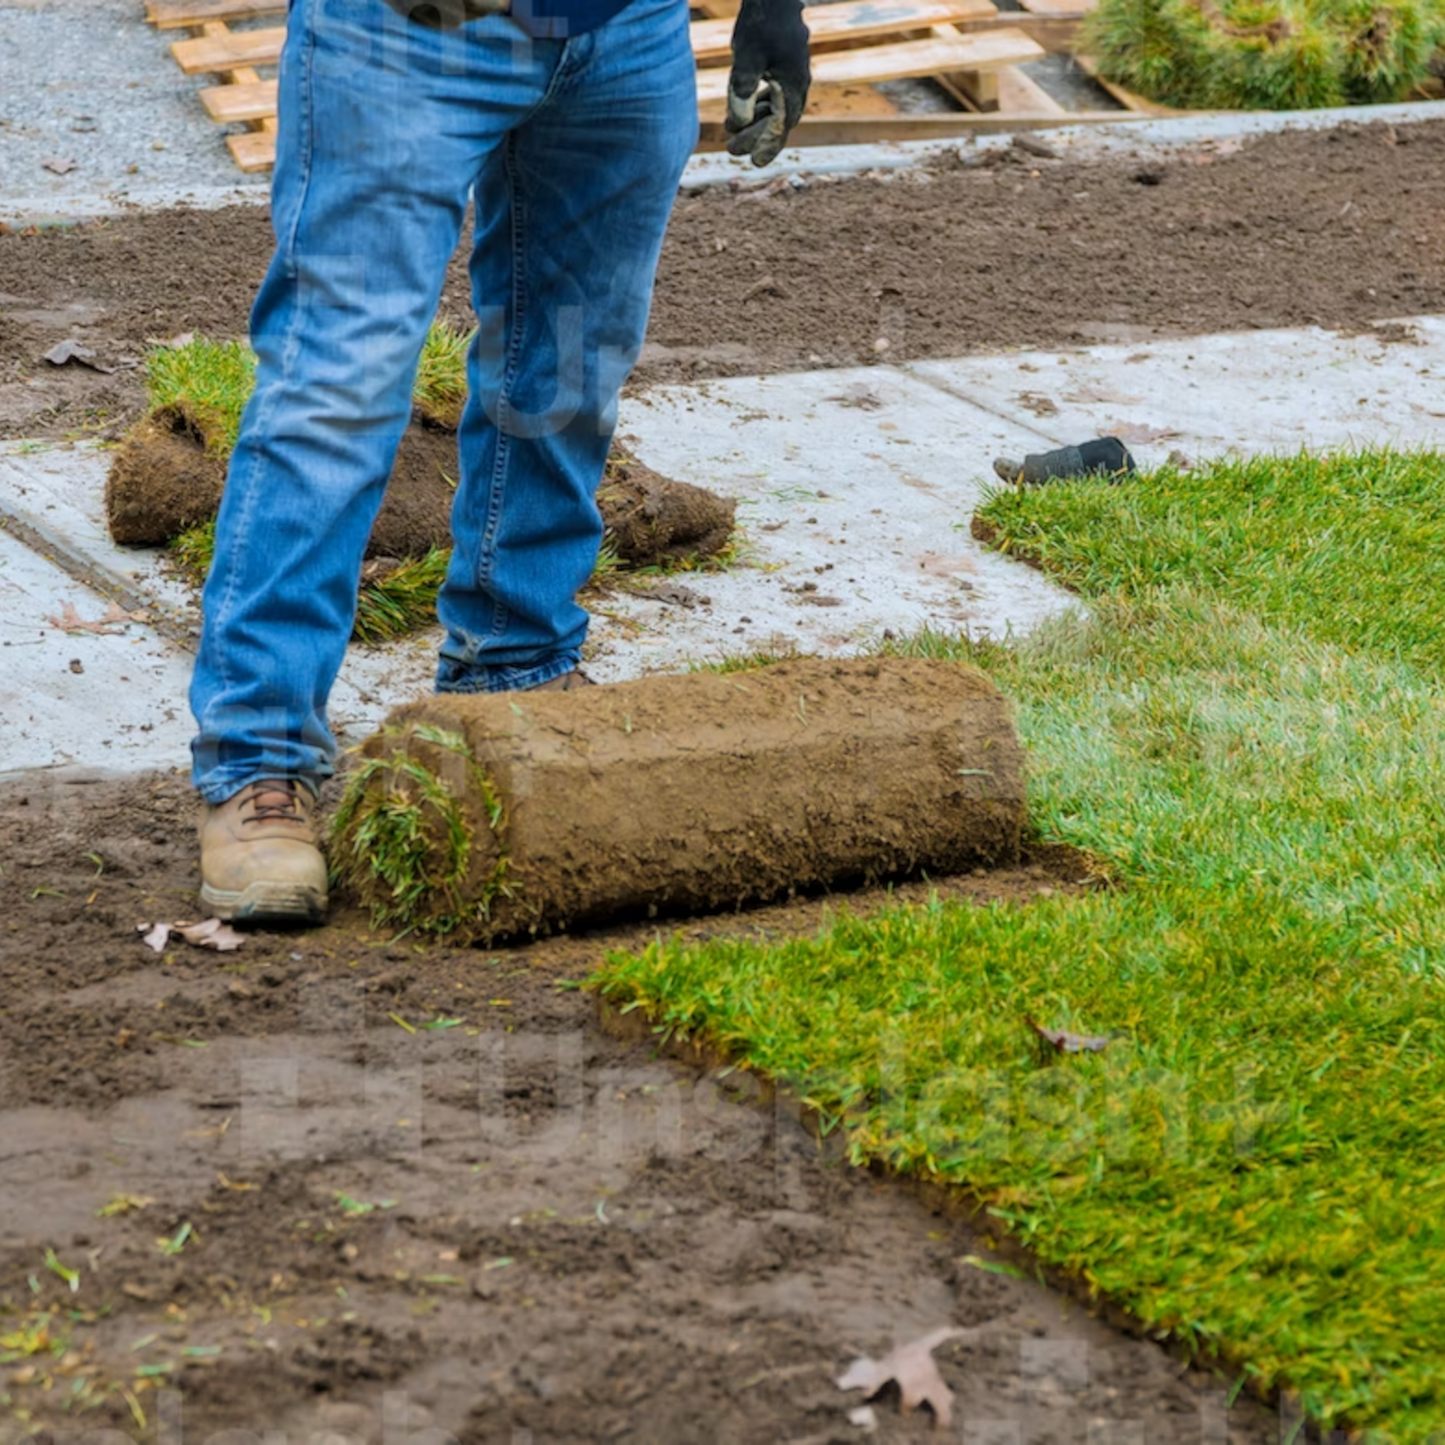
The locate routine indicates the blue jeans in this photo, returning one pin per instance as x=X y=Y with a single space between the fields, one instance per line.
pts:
x=572 y=150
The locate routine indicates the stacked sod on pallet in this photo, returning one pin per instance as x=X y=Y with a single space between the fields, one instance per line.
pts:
x=1267 y=54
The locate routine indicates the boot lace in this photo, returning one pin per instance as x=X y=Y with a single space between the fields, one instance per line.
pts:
x=275 y=801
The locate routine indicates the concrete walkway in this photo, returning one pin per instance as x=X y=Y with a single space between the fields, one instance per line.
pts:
x=855 y=491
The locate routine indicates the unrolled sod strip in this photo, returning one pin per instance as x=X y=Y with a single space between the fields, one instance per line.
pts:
x=493 y=815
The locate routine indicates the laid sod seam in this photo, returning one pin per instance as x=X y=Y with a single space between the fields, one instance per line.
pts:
x=1252 y=1165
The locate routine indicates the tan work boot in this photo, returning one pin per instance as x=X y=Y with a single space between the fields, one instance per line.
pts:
x=260 y=859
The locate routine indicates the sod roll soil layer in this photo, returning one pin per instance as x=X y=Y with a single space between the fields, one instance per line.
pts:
x=495 y=815
x=167 y=475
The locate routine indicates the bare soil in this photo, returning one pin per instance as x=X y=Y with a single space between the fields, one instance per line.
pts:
x=519 y=1228
x=988 y=250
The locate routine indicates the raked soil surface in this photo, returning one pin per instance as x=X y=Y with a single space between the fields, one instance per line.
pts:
x=983 y=251
x=288 y=1206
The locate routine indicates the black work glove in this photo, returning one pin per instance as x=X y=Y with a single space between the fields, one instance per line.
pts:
x=446 y=14
x=770 y=49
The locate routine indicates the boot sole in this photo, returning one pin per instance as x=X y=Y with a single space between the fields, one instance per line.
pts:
x=283 y=903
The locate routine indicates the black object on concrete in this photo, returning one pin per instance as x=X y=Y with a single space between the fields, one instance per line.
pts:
x=1103 y=457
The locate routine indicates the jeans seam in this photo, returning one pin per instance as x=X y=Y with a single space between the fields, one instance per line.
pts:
x=307 y=126
x=509 y=377
x=249 y=491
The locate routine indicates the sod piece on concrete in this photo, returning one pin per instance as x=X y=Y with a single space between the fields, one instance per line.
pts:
x=653 y=521
x=494 y=815
x=167 y=475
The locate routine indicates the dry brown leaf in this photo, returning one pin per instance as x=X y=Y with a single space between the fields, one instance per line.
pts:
x=156 y=937
x=1067 y=1043
x=912 y=1368
x=115 y=618
x=210 y=934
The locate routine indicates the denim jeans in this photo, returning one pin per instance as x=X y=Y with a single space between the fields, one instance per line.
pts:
x=571 y=150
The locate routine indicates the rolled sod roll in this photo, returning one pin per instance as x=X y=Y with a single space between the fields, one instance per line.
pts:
x=489 y=816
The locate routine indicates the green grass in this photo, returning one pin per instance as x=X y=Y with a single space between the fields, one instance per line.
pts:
x=1249 y=728
x=1267 y=54
x=1348 y=548
x=209 y=380
x=387 y=607
x=401 y=840
x=213 y=381
x=440 y=390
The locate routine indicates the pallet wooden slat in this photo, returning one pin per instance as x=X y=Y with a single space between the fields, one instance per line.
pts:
x=206 y=53
x=908 y=58
x=711 y=39
x=255 y=100
x=829 y=130
x=1019 y=94
x=1071 y=9
x=253 y=150
x=177 y=14
x=852 y=20
x=975 y=89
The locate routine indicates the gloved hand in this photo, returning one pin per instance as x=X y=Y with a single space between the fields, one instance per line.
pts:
x=447 y=14
x=770 y=49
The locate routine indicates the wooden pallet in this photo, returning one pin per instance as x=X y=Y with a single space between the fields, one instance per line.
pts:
x=233 y=56
x=967 y=46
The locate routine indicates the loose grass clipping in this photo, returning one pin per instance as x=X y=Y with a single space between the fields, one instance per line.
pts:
x=486 y=816
x=1267 y=54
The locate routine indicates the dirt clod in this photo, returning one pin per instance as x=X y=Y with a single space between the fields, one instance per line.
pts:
x=653 y=521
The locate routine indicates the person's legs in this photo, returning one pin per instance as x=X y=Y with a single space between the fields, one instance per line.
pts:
x=381 y=138
x=568 y=233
